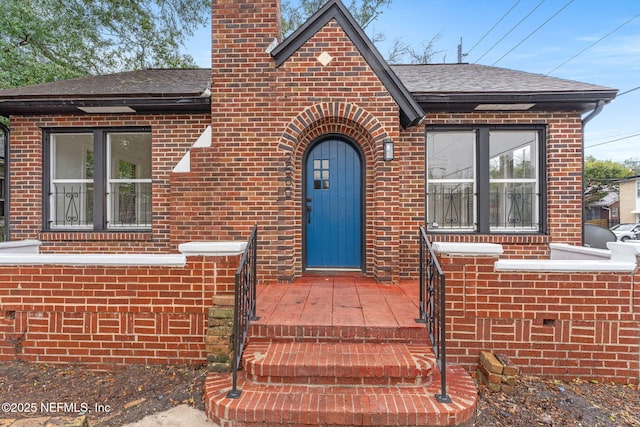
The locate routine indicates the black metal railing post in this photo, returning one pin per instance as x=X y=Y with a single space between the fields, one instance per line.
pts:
x=244 y=307
x=432 y=308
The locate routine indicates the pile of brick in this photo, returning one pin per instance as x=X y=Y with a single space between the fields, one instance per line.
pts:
x=497 y=372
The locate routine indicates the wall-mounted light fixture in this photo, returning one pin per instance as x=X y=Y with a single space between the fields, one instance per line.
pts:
x=387 y=149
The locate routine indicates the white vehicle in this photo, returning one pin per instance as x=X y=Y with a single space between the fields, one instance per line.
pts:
x=626 y=232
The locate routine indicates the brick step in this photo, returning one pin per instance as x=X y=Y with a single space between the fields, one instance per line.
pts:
x=260 y=332
x=338 y=405
x=339 y=363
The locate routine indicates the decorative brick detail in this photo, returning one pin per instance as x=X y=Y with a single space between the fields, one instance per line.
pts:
x=105 y=316
x=564 y=325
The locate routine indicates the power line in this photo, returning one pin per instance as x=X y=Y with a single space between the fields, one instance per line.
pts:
x=613 y=140
x=494 y=26
x=534 y=31
x=511 y=30
x=593 y=44
x=628 y=91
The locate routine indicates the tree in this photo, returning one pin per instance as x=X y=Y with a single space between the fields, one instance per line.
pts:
x=48 y=40
x=633 y=164
x=602 y=176
x=365 y=12
x=295 y=12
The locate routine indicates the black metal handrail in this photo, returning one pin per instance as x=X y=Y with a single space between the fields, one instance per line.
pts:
x=245 y=306
x=433 y=309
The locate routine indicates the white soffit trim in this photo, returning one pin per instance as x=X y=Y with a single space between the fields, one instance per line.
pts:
x=108 y=109
x=204 y=140
x=504 y=107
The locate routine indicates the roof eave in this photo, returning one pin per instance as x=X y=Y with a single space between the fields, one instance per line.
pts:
x=43 y=105
x=581 y=101
x=410 y=111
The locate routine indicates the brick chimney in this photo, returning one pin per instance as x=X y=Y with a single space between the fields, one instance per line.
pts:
x=242 y=31
x=241 y=66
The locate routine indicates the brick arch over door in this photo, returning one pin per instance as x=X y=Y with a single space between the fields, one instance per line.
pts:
x=316 y=121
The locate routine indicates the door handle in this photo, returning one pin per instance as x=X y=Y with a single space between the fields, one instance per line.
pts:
x=308 y=214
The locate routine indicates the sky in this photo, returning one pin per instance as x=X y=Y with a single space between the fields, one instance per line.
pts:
x=591 y=41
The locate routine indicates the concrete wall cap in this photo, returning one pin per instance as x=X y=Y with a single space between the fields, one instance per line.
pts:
x=229 y=248
x=624 y=251
x=480 y=249
x=21 y=246
x=565 y=252
x=574 y=266
x=166 y=260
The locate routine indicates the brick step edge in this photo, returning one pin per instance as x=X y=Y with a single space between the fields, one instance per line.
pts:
x=322 y=333
x=345 y=363
x=273 y=405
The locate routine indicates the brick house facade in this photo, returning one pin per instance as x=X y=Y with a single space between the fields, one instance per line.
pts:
x=175 y=156
x=270 y=103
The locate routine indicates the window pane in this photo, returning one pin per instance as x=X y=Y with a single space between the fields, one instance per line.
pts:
x=450 y=155
x=129 y=180
x=130 y=155
x=130 y=205
x=450 y=206
x=72 y=156
x=513 y=169
x=513 y=206
x=71 y=191
x=72 y=205
x=451 y=173
x=513 y=154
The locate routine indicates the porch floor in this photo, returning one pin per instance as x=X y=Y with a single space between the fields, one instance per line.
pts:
x=339 y=300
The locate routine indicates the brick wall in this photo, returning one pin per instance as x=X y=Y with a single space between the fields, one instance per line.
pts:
x=106 y=316
x=563 y=325
x=263 y=120
x=172 y=136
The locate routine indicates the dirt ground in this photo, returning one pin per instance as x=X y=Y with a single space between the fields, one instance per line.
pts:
x=108 y=398
x=124 y=396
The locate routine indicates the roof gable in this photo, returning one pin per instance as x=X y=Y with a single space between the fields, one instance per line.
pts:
x=410 y=112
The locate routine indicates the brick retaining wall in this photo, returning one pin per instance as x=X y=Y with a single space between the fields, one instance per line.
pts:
x=109 y=315
x=559 y=324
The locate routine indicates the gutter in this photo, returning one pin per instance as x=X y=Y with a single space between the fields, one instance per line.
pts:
x=599 y=106
x=5 y=144
x=592 y=114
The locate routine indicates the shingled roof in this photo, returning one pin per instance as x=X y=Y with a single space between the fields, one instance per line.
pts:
x=143 y=90
x=463 y=87
x=436 y=87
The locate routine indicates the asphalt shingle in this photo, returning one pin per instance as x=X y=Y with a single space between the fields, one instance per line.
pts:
x=474 y=78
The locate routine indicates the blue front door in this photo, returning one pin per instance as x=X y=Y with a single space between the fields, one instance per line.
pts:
x=333 y=206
